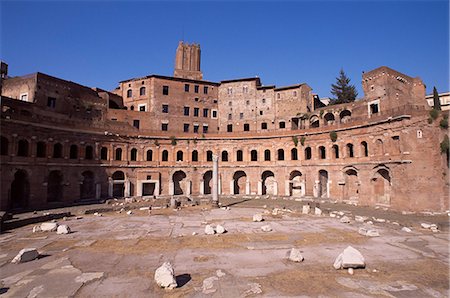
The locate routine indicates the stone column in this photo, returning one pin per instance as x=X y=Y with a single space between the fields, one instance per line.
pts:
x=287 y=187
x=127 y=187
x=247 y=187
x=98 y=191
x=215 y=178
x=232 y=187
x=110 y=187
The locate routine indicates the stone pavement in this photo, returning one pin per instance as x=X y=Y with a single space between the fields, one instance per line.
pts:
x=117 y=254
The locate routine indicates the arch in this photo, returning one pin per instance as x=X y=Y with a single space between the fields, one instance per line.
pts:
x=267 y=155
x=194 y=155
x=350 y=152
x=142 y=91
x=87 y=186
x=4 y=145
x=73 y=154
x=41 y=149
x=351 y=187
x=295 y=183
x=239 y=182
x=207 y=178
x=113 y=105
x=57 y=150
x=180 y=155
x=280 y=154
x=345 y=116
x=322 y=187
x=381 y=185
x=20 y=190
x=22 y=149
x=269 y=184
x=322 y=152
x=224 y=155
x=165 y=155
x=55 y=186
x=308 y=153
x=239 y=155
x=254 y=155
x=335 y=149
x=294 y=154
x=209 y=155
x=118 y=155
x=132 y=108
x=118 y=180
x=328 y=118
x=133 y=154
x=178 y=183
x=104 y=153
x=149 y=155
x=314 y=121
x=379 y=147
x=88 y=152
x=364 y=149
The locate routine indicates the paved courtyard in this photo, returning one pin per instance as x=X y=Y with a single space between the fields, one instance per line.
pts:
x=116 y=255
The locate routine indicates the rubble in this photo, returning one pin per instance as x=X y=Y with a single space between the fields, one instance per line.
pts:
x=345 y=219
x=220 y=229
x=258 y=217
x=317 y=211
x=266 y=228
x=295 y=255
x=165 y=276
x=349 y=258
x=369 y=232
x=208 y=285
x=49 y=226
x=26 y=255
x=209 y=230
x=406 y=229
x=63 y=229
x=306 y=209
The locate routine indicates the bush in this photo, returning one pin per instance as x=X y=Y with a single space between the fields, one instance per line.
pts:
x=445 y=145
x=295 y=140
x=333 y=136
x=302 y=140
x=434 y=114
x=173 y=140
x=444 y=123
x=156 y=143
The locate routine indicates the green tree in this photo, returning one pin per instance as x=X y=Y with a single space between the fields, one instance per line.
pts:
x=436 y=101
x=343 y=90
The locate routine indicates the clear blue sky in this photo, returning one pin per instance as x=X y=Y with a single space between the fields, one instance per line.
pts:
x=98 y=44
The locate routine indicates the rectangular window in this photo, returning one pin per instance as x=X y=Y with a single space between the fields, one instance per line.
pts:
x=230 y=90
x=261 y=113
x=186 y=127
x=282 y=124
x=196 y=88
x=24 y=97
x=165 y=126
x=205 y=90
x=165 y=90
x=196 y=111
x=51 y=102
x=186 y=87
x=246 y=127
x=214 y=114
x=229 y=116
x=245 y=89
x=195 y=128
x=230 y=128
x=374 y=108
x=186 y=111
x=264 y=125
x=205 y=128
x=165 y=108
x=142 y=108
x=241 y=115
x=205 y=112
x=136 y=123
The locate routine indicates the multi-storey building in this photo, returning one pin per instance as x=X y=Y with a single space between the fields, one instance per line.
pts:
x=155 y=136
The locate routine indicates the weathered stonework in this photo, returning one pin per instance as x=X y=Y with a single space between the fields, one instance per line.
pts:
x=68 y=142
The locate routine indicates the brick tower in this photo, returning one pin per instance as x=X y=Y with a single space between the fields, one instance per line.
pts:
x=187 y=61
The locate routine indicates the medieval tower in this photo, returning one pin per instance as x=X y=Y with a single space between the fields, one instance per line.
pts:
x=187 y=62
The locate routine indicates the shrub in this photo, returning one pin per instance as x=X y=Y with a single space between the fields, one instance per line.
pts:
x=173 y=140
x=295 y=140
x=333 y=136
x=444 y=123
x=434 y=114
x=156 y=143
x=302 y=140
x=445 y=145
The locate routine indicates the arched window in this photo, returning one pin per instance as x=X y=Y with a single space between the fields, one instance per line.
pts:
x=224 y=155
x=195 y=155
x=149 y=155
x=322 y=152
x=267 y=155
x=142 y=91
x=73 y=152
x=294 y=154
x=336 y=151
x=345 y=116
x=89 y=152
x=364 y=148
x=57 y=150
x=104 y=153
x=314 y=121
x=129 y=93
x=209 y=155
x=308 y=153
x=349 y=150
x=239 y=155
x=22 y=149
x=328 y=118
x=41 y=149
x=179 y=155
x=132 y=108
x=280 y=154
x=4 y=145
x=254 y=155
x=133 y=154
x=165 y=155
x=118 y=154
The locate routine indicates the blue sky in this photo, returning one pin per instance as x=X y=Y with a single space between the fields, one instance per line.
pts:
x=100 y=43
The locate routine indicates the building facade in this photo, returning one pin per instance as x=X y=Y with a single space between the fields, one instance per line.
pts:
x=155 y=136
